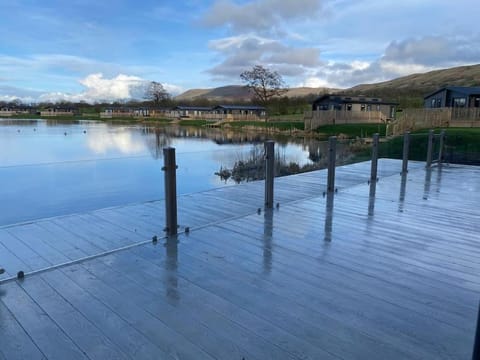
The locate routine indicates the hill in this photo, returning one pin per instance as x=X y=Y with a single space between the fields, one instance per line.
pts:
x=410 y=90
x=429 y=81
x=240 y=93
x=407 y=90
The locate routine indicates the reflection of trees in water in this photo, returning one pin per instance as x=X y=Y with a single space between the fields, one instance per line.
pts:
x=252 y=167
x=156 y=141
x=161 y=136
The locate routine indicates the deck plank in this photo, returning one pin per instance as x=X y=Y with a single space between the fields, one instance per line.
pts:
x=394 y=276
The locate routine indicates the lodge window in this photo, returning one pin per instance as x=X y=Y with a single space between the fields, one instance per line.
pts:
x=459 y=102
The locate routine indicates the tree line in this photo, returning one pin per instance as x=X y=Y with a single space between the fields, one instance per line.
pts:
x=267 y=88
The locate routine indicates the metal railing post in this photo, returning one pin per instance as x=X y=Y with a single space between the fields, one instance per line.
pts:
x=440 y=150
x=332 y=153
x=406 y=148
x=476 y=345
x=170 y=168
x=430 y=148
x=373 y=172
x=269 y=172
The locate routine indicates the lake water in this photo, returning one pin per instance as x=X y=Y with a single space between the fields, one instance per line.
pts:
x=49 y=168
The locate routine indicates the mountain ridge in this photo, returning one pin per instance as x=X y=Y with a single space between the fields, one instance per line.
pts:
x=418 y=85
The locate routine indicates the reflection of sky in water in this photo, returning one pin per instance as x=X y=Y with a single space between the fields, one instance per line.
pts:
x=49 y=169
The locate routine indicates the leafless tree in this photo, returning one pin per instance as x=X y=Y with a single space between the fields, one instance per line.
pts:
x=264 y=83
x=156 y=92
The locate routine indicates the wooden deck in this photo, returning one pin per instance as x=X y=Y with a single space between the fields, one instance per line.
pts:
x=348 y=276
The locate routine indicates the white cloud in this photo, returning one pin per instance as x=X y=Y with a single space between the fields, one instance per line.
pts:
x=122 y=141
x=120 y=87
x=96 y=88
x=173 y=89
x=314 y=82
x=400 y=58
x=267 y=16
x=240 y=53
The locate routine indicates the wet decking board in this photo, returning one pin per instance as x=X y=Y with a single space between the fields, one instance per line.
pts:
x=398 y=278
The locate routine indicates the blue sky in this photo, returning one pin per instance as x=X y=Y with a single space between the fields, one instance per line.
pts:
x=107 y=50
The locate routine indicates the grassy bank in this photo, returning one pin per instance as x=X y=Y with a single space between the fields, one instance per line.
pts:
x=351 y=130
x=280 y=125
x=462 y=145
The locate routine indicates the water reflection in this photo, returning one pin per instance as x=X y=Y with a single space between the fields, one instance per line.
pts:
x=403 y=188
x=427 y=184
x=439 y=177
x=251 y=166
x=329 y=216
x=171 y=274
x=157 y=142
x=371 y=198
x=122 y=141
x=45 y=173
x=267 y=240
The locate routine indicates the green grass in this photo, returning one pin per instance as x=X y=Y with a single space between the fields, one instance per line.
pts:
x=289 y=117
x=281 y=125
x=461 y=145
x=352 y=130
x=194 y=122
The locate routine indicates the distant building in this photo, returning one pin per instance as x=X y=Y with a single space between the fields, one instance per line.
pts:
x=355 y=104
x=120 y=112
x=56 y=111
x=241 y=111
x=453 y=97
x=191 y=111
x=15 y=110
x=334 y=109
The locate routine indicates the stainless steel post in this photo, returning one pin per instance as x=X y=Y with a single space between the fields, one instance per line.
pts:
x=440 y=149
x=406 y=148
x=170 y=168
x=430 y=148
x=476 y=346
x=373 y=172
x=332 y=145
x=269 y=172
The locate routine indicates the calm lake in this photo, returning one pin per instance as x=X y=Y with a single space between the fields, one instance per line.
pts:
x=50 y=168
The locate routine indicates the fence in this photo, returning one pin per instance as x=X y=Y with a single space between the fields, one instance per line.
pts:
x=317 y=118
x=214 y=117
x=415 y=119
x=434 y=153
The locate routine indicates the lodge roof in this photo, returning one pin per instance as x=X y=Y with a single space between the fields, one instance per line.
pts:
x=353 y=99
x=466 y=90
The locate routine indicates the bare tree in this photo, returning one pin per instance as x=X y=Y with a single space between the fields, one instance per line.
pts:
x=264 y=83
x=156 y=92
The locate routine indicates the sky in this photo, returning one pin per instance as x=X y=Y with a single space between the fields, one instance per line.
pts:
x=92 y=50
